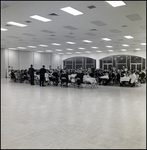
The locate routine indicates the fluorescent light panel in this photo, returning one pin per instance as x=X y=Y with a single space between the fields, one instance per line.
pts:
x=94 y=47
x=81 y=48
x=125 y=45
x=88 y=52
x=110 y=50
x=116 y=3
x=12 y=48
x=32 y=46
x=43 y=45
x=2 y=29
x=78 y=52
x=58 y=50
x=98 y=51
x=143 y=43
x=70 y=42
x=49 y=50
x=72 y=11
x=55 y=44
x=138 y=49
x=40 y=51
x=87 y=41
x=129 y=37
x=40 y=18
x=21 y=47
x=106 y=39
x=123 y=50
x=16 y=24
x=109 y=46
x=69 y=49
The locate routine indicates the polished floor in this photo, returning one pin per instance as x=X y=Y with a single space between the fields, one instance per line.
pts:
x=34 y=117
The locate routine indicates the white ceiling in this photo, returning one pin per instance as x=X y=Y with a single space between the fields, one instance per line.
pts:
x=114 y=19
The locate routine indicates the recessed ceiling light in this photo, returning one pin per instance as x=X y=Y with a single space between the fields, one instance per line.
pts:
x=94 y=47
x=40 y=18
x=99 y=51
x=12 y=48
x=43 y=45
x=69 y=53
x=106 y=39
x=109 y=46
x=70 y=42
x=123 y=50
x=32 y=46
x=138 y=49
x=2 y=29
x=21 y=47
x=49 y=50
x=55 y=44
x=143 y=43
x=116 y=3
x=58 y=50
x=88 y=52
x=72 y=11
x=125 y=45
x=60 y=53
x=40 y=51
x=16 y=24
x=110 y=50
x=129 y=37
x=69 y=49
x=78 y=52
x=81 y=48
x=87 y=41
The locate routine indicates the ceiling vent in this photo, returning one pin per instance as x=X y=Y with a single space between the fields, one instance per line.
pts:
x=91 y=7
x=124 y=26
x=68 y=36
x=90 y=34
x=53 y=14
x=134 y=17
x=28 y=21
x=70 y=27
x=93 y=29
x=115 y=31
x=47 y=31
x=8 y=25
x=98 y=23
x=3 y=5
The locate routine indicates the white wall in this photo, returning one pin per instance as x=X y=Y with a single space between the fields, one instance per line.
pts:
x=99 y=56
x=23 y=60
x=56 y=60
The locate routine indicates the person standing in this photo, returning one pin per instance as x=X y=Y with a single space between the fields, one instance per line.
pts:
x=42 y=75
x=31 y=73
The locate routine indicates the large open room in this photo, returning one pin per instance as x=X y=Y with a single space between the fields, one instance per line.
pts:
x=73 y=75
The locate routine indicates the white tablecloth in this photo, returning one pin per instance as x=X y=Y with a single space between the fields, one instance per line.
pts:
x=87 y=78
x=104 y=77
x=124 y=79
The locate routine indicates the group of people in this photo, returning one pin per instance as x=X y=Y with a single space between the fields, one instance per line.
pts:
x=105 y=77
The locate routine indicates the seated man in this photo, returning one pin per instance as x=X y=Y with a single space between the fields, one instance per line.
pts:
x=79 y=77
x=64 y=78
x=55 y=77
x=13 y=76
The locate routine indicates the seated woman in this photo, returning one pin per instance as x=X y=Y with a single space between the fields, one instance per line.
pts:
x=133 y=79
x=79 y=77
x=64 y=78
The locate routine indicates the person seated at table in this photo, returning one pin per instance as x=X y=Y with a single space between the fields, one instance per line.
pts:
x=110 y=78
x=21 y=76
x=79 y=77
x=142 y=76
x=133 y=78
x=13 y=78
x=55 y=77
x=64 y=78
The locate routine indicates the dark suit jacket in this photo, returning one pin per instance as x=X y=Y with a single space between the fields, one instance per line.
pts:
x=42 y=72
